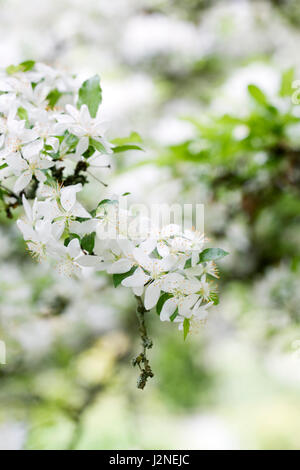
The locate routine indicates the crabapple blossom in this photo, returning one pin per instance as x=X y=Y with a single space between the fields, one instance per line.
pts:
x=30 y=164
x=81 y=124
x=51 y=132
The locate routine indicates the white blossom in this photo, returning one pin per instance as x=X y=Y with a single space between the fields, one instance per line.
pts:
x=30 y=164
x=39 y=137
x=81 y=124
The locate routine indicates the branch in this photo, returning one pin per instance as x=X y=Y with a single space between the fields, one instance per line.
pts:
x=10 y=193
x=141 y=360
x=77 y=415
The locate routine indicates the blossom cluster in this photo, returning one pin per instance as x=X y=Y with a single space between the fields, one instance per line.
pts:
x=48 y=124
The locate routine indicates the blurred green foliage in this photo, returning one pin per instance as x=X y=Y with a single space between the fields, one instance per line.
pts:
x=253 y=160
x=183 y=379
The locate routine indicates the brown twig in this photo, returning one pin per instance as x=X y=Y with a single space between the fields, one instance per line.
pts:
x=141 y=360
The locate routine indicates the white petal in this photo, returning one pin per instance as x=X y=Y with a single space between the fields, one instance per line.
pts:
x=168 y=309
x=186 y=304
x=138 y=291
x=190 y=286
x=85 y=117
x=170 y=230
x=27 y=230
x=148 y=245
x=138 y=279
x=73 y=248
x=195 y=271
x=168 y=262
x=27 y=208
x=22 y=181
x=197 y=305
x=53 y=142
x=82 y=145
x=44 y=230
x=89 y=261
x=45 y=164
x=171 y=282
x=57 y=250
x=72 y=111
x=152 y=294
x=16 y=162
x=78 y=130
x=126 y=246
x=68 y=197
x=83 y=228
x=28 y=135
x=31 y=150
x=48 y=210
x=143 y=259
x=58 y=228
x=195 y=258
x=121 y=266
x=79 y=211
x=180 y=321
x=40 y=176
x=163 y=249
x=100 y=127
x=46 y=191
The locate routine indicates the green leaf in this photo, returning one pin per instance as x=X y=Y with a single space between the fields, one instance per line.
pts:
x=257 y=94
x=161 y=302
x=107 y=201
x=124 y=148
x=4 y=165
x=211 y=254
x=88 y=242
x=174 y=315
x=22 y=67
x=98 y=146
x=27 y=65
x=214 y=298
x=101 y=203
x=123 y=144
x=186 y=327
x=156 y=254
x=118 y=278
x=71 y=237
x=81 y=219
x=89 y=152
x=53 y=97
x=188 y=264
x=22 y=113
x=11 y=69
x=134 y=137
x=286 y=82
x=90 y=94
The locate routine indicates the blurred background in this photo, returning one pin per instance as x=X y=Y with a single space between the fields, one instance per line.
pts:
x=208 y=86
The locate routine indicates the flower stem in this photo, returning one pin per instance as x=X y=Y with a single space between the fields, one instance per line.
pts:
x=141 y=360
